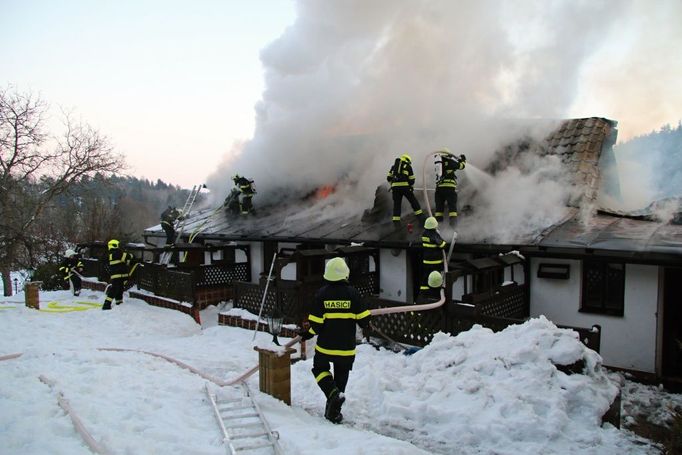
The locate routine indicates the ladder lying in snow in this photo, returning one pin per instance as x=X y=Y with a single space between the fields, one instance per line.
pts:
x=189 y=203
x=243 y=425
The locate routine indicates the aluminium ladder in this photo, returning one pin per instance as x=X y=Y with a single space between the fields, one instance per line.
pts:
x=242 y=423
x=189 y=203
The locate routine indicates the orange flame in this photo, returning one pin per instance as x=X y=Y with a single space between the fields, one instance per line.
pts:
x=323 y=192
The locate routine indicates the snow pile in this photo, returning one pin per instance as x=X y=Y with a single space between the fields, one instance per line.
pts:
x=493 y=392
x=479 y=392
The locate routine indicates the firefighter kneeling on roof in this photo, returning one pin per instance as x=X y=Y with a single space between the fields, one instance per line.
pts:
x=336 y=309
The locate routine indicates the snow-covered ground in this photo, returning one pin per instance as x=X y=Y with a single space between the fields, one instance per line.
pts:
x=477 y=393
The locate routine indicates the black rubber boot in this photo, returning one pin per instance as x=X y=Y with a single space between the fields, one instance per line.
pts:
x=332 y=411
x=106 y=306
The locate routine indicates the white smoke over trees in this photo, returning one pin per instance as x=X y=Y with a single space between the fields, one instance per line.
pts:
x=353 y=84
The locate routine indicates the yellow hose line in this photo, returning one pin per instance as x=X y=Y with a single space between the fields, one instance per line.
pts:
x=56 y=307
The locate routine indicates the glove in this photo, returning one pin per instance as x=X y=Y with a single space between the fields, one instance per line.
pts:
x=462 y=157
x=305 y=335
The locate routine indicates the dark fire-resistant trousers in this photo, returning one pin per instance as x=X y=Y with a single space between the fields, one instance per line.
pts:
x=398 y=193
x=170 y=233
x=443 y=196
x=323 y=375
x=114 y=292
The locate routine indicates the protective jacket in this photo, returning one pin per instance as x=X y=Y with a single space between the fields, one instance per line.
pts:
x=245 y=185
x=69 y=265
x=337 y=307
x=401 y=174
x=449 y=165
x=119 y=264
x=432 y=247
x=169 y=216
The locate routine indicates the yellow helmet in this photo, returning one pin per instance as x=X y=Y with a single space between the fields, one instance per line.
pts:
x=445 y=150
x=435 y=279
x=336 y=270
x=430 y=223
x=405 y=157
x=112 y=244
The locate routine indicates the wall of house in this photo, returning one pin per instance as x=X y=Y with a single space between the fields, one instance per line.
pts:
x=626 y=342
x=393 y=275
x=256 y=253
x=288 y=272
x=518 y=273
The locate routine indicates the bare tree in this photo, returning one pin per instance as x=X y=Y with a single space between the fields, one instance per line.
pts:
x=36 y=168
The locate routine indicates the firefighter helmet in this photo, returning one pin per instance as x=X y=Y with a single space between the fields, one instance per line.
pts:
x=435 y=279
x=336 y=270
x=69 y=253
x=430 y=223
x=113 y=243
x=405 y=157
x=445 y=150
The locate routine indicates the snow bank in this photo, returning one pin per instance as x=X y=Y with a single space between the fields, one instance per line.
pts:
x=484 y=391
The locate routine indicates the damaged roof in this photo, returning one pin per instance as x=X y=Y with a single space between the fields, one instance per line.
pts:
x=580 y=143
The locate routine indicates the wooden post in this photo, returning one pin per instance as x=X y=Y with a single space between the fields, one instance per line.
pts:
x=32 y=294
x=274 y=370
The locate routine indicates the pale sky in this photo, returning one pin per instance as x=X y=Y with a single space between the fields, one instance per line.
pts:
x=174 y=84
x=171 y=83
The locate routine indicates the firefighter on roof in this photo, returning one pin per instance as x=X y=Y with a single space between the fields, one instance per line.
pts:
x=246 y=189
x=433 y=246
x=168 y=219
x=446 y=186
x=336 y=309
x=71 y=266
x=401 y=178
x=119 y=264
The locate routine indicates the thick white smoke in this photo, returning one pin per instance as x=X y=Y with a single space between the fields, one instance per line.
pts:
x=353 y=84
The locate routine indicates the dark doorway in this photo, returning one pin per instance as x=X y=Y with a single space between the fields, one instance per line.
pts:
x=672 y=322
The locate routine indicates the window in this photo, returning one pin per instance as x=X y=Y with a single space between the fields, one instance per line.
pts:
x=554 y=271
x=488 y=280
x=603 y=288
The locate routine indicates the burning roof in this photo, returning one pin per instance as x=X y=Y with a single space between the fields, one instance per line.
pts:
x=578 y=150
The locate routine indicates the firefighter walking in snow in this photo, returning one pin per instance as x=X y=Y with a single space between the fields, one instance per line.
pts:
x=401 y=177
x=446 y=186
x=72 y=266
x=336 y=309
x=433 y=246
x=119 y=264
x=168 y=219
x=247 y=189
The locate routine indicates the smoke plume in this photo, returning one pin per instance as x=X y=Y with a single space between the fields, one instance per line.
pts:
x=351 y=85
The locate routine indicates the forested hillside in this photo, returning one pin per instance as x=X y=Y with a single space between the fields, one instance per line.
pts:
x=659 y=156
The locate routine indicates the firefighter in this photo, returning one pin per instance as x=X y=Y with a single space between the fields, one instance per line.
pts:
x=168 y=219
x=119 y=264
x=246 y=189
x=336 y=309
x=72 y=266
x=401 y=178
x=446 y=186
x=432 y=294
x=433 y=246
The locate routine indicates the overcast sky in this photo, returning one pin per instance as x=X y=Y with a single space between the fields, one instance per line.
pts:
x=174 y=84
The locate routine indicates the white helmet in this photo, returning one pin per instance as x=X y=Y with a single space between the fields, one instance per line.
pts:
x=70 y=253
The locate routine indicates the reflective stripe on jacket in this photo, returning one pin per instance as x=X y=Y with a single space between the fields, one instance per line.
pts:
x=432 y=247
x=337 y=308
x=401 y=174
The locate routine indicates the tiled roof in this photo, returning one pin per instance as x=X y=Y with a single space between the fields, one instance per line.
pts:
x=579 y=143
